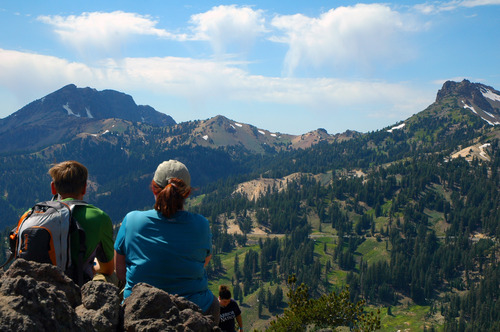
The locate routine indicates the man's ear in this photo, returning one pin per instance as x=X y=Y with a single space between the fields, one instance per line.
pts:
x=84 y=190
x=53 y=188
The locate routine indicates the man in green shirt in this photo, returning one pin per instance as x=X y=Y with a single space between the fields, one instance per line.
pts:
x=69 y=181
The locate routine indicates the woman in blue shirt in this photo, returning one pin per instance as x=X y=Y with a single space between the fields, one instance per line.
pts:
x=167 y=247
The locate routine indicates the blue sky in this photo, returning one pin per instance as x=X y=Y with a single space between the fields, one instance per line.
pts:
x=284 y=66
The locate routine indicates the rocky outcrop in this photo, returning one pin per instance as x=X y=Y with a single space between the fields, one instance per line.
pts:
x=100 y=306
x=151 y=309
x=39 y=297
x=471 y=92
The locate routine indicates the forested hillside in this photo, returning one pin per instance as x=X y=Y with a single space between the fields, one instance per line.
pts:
x=407 y=216
x=432 y=223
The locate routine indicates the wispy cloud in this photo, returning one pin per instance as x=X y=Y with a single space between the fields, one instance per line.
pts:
x=29 y=76
x=361 y=35
x=200 y=81
x=439 y=6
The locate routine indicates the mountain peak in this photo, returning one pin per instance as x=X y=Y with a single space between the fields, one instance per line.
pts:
x=68 y=87
x=482 y=100
x=65 y=113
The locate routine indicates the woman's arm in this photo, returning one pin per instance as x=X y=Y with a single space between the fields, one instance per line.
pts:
x=121 y=270
x=207 y=260
x=105 y=268
x=240 y=322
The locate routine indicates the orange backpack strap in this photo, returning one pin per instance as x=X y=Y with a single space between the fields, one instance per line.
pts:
x=24 y=216
x=13 y=238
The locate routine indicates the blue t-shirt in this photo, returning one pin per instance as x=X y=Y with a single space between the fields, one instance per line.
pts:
x=167 y=253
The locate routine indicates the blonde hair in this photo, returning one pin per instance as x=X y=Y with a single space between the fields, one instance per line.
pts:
x=69 y=177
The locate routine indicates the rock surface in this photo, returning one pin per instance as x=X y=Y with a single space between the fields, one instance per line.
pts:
x=39 y=297
x=151 y=309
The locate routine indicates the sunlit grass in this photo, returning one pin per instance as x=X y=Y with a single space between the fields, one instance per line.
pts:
x=403 y=318
x=373 y=251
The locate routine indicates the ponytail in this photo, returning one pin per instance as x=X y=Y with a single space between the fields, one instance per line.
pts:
x=170 y=198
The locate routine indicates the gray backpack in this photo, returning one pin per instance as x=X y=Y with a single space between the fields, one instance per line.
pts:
x=43 y=234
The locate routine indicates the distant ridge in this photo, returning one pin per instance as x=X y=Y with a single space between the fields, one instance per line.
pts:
x=72 y=112
x=68 y=111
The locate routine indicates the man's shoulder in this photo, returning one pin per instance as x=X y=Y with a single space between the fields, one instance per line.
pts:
x=90 y=211
x=95 y=209
x=87 y=207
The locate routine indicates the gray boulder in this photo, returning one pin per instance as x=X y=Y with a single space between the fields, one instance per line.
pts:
x=100 y=306
x=152 y=309
x=39 y=297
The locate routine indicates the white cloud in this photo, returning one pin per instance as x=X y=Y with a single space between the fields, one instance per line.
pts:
x=31 y=76
x=439 y=82
x=362 y=35
x=223 y=26
x=436 y=7
x=104 y=32
x=476 y=3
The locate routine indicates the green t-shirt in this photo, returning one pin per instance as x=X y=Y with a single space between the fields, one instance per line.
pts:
x=98 y=233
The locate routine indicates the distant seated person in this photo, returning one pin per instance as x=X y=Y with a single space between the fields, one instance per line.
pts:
x=167 y=247
x=69 y=182
x=229 y=311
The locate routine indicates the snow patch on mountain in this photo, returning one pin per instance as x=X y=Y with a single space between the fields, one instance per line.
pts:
x=483 y=153
x=469 y=107
x=396 y=128
x=263 y=133
x=103 y=133
x=491 y=123
x=490 y=94
x=205 y=137
x=89 y=115
x=238 y=124
x=473 y=151
x=70 y=112
x=489 y=114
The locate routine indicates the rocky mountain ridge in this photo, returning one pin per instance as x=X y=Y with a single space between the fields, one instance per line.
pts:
x=69 y=111
x=74 y=113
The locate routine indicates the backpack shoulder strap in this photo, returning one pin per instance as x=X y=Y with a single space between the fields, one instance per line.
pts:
x=77 y=268
x=13 y=238
x=73 y=203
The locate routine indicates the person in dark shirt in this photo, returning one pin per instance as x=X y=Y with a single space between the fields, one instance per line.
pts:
x=229 y=311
